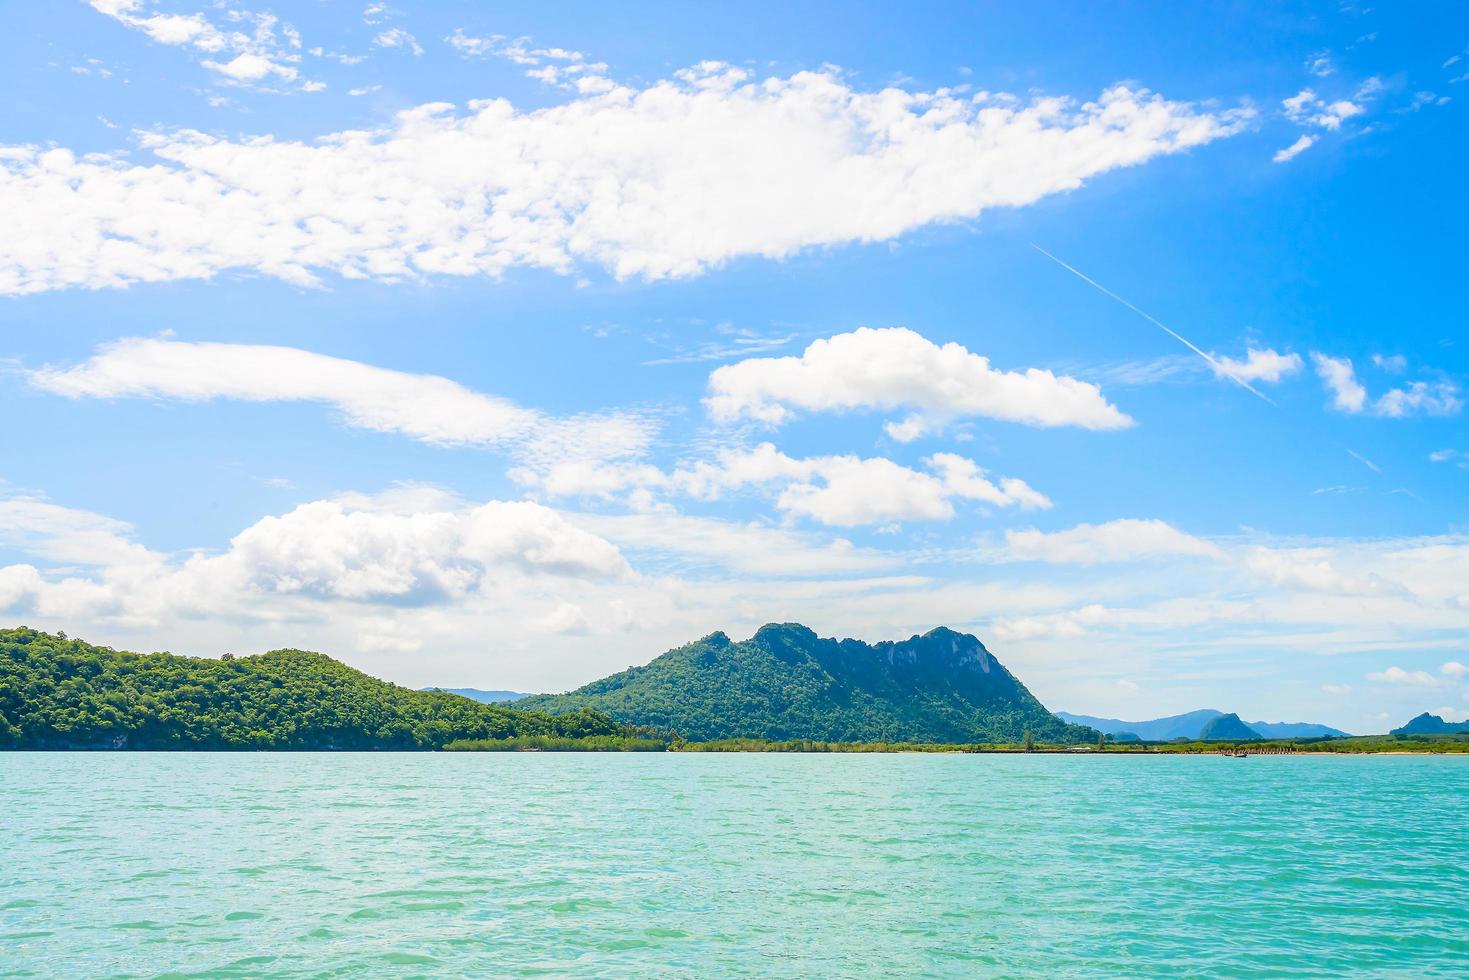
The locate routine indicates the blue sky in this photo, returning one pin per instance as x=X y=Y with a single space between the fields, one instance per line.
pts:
x=509 y=347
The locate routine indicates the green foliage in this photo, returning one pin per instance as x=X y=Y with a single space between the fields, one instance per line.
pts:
x=59 y=693
x=557 y=743
x=788 y=684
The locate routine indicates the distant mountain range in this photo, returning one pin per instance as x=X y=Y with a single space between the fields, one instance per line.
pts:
x=483 y=697
x=1192 y=725
x=785 y=682
x=1427 y=724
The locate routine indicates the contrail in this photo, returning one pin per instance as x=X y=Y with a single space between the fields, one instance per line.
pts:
x=1218 y=368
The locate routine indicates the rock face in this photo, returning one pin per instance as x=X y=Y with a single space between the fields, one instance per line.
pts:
x=1227 y=728
x=785 y=682
x=1427 y=724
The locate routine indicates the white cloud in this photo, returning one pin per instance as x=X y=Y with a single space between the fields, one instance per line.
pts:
x=1454 y=669
x=666 y=181
x=349 y=548
x=1301 y=145
x=847 y=491
x=1420 y=398
x=413 y=545
x=1459 y=456
x=396 y=37
x=1309 y=569
x=426 y=407
x=1396 y=364
x=1340 y=379
x=1337 y=689
x=1258 y=365
x=1410 y=678
x=1417 y=398
x=71 y=537
x=895 y=368
x=1321 y=65
x=250 y=68
x=258 y=52
x=1115 y=541
x=844 y=491
x=1306 y=108
x=681 y=542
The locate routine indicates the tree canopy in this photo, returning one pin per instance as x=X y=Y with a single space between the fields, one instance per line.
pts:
x=60 y=693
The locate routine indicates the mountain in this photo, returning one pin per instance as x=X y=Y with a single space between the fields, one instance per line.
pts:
x=785 y=682
x=1297 y=729
x=59 y=693
x=1191 y=725
x=1227 y=728
x=1158 y=730
x=483 y=697
x=1427 y=724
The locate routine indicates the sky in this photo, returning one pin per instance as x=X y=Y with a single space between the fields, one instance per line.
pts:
x=507 y=347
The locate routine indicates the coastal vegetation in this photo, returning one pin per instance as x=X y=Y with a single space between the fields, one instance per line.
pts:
x=61 y=693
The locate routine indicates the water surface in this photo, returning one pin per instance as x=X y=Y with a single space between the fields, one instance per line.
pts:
x=731 y=865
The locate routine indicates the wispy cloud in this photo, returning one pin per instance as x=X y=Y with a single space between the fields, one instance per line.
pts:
x=1364 y=461
x=252 y=49
x=1209 y=358
x=1416 y=398
x=666 y=181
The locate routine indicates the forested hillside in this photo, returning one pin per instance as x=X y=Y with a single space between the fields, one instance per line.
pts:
x=59 y=693
x=787 y=683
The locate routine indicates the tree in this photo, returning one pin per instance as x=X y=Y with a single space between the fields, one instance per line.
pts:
x=1028 y=741
x=1101 y=741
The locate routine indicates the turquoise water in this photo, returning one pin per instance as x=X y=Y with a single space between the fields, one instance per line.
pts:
x=731 y=865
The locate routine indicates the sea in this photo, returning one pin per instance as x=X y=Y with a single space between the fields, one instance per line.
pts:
x=732 y=865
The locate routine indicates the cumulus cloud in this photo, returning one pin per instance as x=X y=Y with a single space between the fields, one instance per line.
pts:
x=1410 y=678
x=1258 y=365
x=1115 y=541
x=896 y=368
x=245 y=50
x=1416 y=398
x=426 y=407
x=411 y=546
x=1454 y=669
x=664 y=181
x=343 y=549
x=843 y=491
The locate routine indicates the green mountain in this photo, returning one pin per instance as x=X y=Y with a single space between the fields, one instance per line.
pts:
x=57 y=693
x=1427 y=724
x=1227 y=728
x=787 y=683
